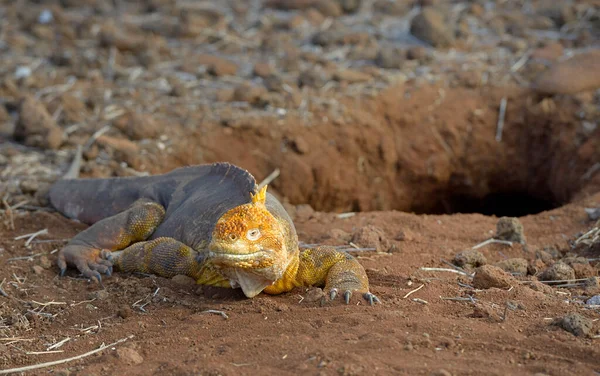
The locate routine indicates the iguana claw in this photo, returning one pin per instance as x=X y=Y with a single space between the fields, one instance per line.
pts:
x=369 y=297
x=372 y=299
x=347 y=296
x=333 y=294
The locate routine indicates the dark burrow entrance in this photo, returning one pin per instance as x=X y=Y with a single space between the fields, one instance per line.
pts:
x=509 y=204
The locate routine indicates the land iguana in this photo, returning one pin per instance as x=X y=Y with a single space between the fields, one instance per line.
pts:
x=210 y=222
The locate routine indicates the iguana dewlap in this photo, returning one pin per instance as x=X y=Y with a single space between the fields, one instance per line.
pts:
x=210 y=222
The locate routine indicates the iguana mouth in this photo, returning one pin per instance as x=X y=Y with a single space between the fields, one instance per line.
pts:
x=259 y=259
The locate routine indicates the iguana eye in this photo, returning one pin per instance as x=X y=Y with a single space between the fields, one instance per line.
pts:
x=253 y=234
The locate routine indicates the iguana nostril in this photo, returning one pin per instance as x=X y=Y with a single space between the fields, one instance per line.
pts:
x=232 y=236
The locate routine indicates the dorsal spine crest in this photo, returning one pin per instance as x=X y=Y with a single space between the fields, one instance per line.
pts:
x=260 y=197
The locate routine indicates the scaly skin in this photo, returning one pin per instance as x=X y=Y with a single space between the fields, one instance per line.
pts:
x=253 y=246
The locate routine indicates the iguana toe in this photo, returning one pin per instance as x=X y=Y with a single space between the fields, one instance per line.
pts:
x=372 y=299
x=333 y=293
x=347 y=296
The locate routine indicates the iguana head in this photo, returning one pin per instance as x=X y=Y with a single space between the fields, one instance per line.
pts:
x=249 y=246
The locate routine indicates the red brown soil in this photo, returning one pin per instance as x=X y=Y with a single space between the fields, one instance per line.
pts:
x=286 y=334
x=292 y=334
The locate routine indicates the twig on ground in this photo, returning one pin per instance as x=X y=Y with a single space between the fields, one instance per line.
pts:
x=420 y=301
x=444 y=270
x=9 y=212
x=58 y=344
x=32 y=236
x=519 y=64
x=570 y=285
x=559 y=281
x=44 y=352
x=455 y=266
x=413 y=291
x=501 y=115
x=95 y=136
x=216 y=312
x=460 y=299
x=272 y=176
x=2 y=292
x=24 y=257
x=490 y=241
x=62 y=361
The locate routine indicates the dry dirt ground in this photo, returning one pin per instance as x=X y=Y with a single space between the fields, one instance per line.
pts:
x=403 y=128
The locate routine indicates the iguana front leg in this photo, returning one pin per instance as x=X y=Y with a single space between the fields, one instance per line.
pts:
x=167 y=257
x=339 y=272
x=89 y=250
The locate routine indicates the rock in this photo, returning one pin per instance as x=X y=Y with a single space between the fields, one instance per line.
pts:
x=514 y=44
x=477 y=10
x=584 y=271
x=390 y=58
x=339 y=235
x=558 y=272
x=577 y=74
x=289 y=4
x=314 y=17
x=263 y=70
x=540 y=287
x=314 y=294
x=510 y=229
x=124 y=150
x=489 y=276
x=224 y=95
x=194 y=19
x=551 y=52
x=300 y=145
x=391 y=7
x=328 y=38
x=441 y=372
x=139 y=126
x=217 y=66
x=470 y=258
x=594 y=300
x=559 y=13
x=37 y=269
x=124 y=311
x=350 y=6
x=430 y=26
x=118 y=144
x=576 y=324
x=514 y=266
x=328 y=8
x=544 y=256
x=593 y=213
x=351 y=76
x=29 y=186
x=99 y=295
x=184 y=280
x=36 y=127
x=45 y=263
x=129 y=356
x=304 y=211
x=111 y=36
x=314 y=77
x=418 y=53
x=405 y=235
x=274 y=83
x=252 y=94
x=371 y=237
